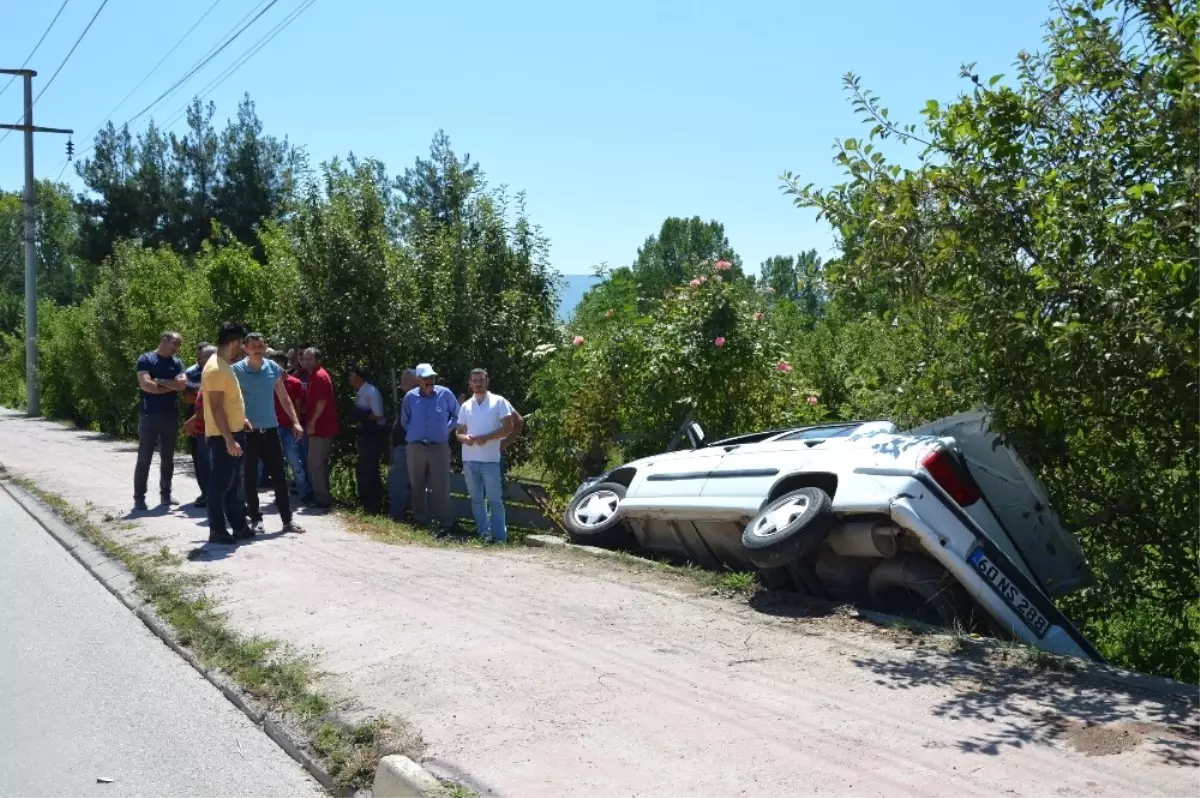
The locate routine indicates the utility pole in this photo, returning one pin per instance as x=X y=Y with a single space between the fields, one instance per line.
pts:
x=31 y=352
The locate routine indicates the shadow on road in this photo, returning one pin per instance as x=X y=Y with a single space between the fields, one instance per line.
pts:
x=1029 y=705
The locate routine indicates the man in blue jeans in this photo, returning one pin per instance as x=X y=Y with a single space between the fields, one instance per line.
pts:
x=484 y=420
x=398 y=488
x=292 y=443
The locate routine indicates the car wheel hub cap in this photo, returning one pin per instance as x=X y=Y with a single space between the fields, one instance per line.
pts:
x=597 y=508
x=780 y=517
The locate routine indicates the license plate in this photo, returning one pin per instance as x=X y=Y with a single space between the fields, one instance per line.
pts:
x=1009 y=592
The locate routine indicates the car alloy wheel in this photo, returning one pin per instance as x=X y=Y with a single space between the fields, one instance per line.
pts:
x=597 y=508
x=594 y=517
x=777 y=518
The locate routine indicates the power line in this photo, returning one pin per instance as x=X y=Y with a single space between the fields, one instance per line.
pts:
x=203 y=63
x=154 y=68
x=33 y=52
x=70 y=52
x=249 y=53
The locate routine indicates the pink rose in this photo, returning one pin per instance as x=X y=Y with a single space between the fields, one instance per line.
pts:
x=694 y=283
x=723 y=265
x=812 y=400
x=608 y=314
x=578 y=340
x=719 y=341
x=783 y=367
x=770 y=290
x=758 y=316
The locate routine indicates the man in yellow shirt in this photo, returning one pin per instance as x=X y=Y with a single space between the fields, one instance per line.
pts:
x=225 y=427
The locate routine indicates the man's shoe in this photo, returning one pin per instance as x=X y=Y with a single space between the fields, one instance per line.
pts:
x=139 y=505
x=255 y=527
x=200 y=502
x=245 y=534
x=292 y=526
x=223 y=539
x=166 y=500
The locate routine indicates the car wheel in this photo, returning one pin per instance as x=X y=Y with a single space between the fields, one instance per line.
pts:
x=918 y=588
x=593 y=517
x=788 y=528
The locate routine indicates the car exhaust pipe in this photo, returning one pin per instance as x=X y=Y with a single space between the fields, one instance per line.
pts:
x=865 y=539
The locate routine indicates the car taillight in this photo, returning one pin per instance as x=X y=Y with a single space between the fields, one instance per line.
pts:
x=945 y=470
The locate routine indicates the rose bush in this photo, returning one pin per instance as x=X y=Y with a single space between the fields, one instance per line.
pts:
x=708 y=350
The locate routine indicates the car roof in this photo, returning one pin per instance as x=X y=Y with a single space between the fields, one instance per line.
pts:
x=768 y=433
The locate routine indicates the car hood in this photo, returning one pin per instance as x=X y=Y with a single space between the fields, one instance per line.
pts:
x=1019 y=501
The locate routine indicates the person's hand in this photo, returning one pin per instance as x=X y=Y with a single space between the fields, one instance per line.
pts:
x=298 y=430
x=249 y=426
x=467 y=440
x=311 y=429
x=233 y=447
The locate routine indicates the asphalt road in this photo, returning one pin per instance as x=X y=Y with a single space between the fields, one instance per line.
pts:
x=88 y=693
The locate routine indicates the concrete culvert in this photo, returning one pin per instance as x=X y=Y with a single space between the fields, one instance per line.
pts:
x=917 y=587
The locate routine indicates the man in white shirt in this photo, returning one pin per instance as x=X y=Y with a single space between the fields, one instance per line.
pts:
x=483 y=422
x=372 y=440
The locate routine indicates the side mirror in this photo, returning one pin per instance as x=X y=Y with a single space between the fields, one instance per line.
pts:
x=695 y=434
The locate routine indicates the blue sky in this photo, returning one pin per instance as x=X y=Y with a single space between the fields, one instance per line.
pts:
x=611 y=116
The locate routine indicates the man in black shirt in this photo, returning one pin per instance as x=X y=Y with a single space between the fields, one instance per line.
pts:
x=160 y=377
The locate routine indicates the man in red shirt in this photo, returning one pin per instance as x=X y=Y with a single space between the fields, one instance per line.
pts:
x=291 y=445
x=321 y=425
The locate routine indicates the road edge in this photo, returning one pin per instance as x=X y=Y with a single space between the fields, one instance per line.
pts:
x=1130 y=680
x=117 y=580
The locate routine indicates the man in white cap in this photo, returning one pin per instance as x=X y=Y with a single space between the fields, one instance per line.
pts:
x=429 y=415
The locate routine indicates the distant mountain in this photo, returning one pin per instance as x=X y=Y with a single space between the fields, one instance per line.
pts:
x=574 y=287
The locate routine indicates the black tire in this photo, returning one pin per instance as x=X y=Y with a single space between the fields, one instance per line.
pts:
x=807 y=518
x=916 y=587
x=608 y=531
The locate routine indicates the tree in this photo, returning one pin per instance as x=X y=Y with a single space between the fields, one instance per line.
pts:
x=1050 y=232
x=799 y=279
x=673 y=256
x=61 y=277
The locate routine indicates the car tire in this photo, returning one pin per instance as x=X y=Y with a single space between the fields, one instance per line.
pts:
x=788 y=528
x=916 y=587
x=593 y=517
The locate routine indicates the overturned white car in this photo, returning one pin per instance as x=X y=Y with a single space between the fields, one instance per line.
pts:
x=933 y=522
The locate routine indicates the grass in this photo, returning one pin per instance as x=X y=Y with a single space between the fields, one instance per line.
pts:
x=261 y=667
x=385 y=530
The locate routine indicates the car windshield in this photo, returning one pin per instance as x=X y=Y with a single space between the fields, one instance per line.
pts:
x=819 y=433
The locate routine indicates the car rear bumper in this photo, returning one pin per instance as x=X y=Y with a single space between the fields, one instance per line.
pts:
x=949 y=536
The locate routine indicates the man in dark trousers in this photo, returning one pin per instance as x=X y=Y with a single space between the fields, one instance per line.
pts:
x=372 y=439
x=429 y=414
x=225 y=427
x=261 y=381
x=160 y=379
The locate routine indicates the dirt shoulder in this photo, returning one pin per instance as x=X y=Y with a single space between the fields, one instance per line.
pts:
x=530 y=672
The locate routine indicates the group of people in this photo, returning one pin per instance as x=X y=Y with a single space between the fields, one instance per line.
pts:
x=257 y=412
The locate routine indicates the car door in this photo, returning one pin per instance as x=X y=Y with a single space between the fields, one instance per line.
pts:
x=1018 y=501
x=675 y=474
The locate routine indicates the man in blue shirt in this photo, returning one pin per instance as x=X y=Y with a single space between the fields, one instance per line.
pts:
x=429 y=414
x=160 y=379
x=261 y=381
